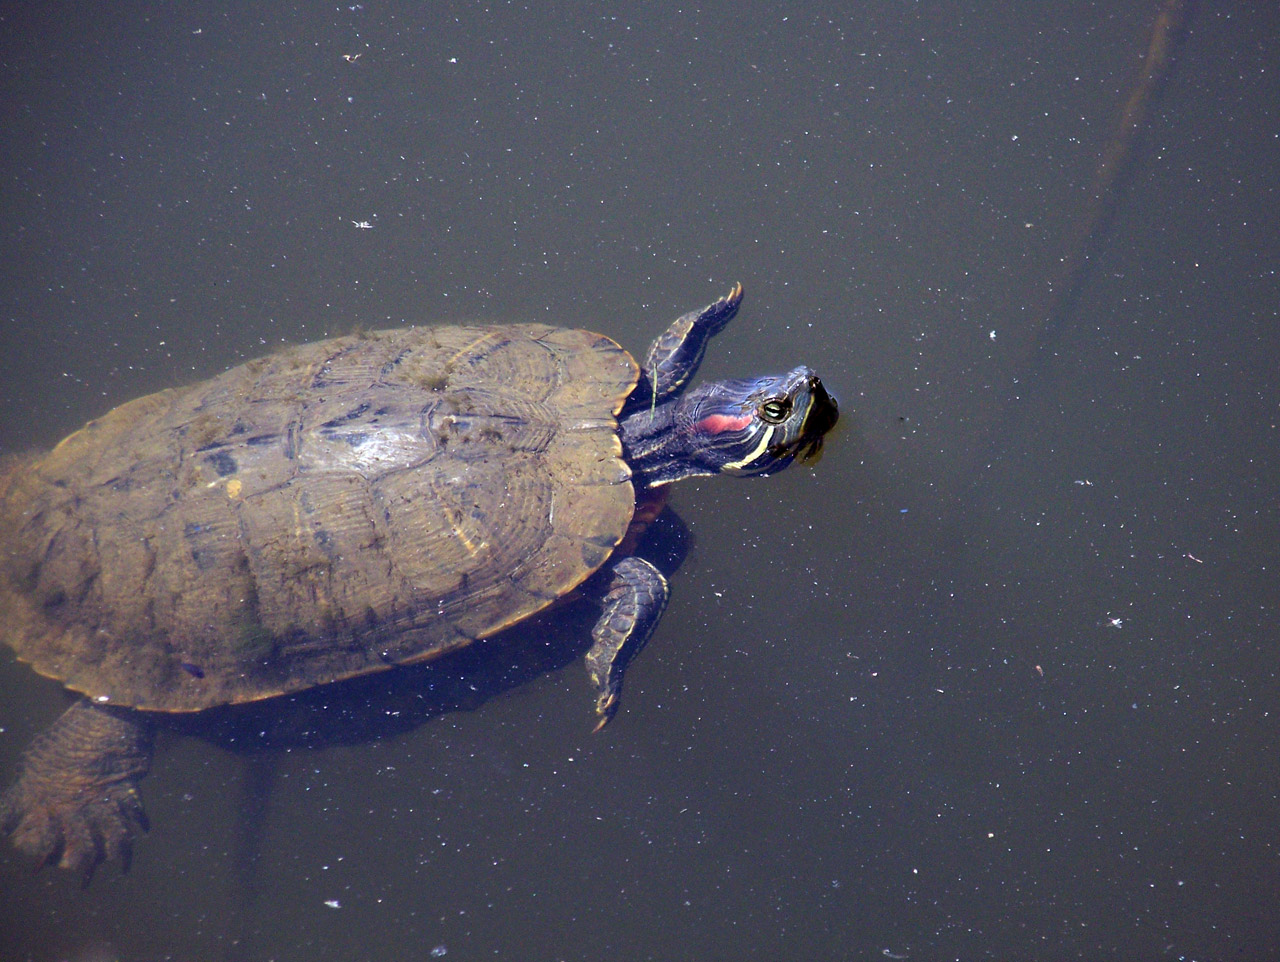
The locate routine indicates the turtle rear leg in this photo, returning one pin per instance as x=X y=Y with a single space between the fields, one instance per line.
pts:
x=676 y=354
x=632 y=606
x=76 y=800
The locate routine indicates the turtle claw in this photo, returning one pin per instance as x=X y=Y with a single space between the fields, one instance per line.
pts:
x=30 y=830
x=606 y=705
x=75 y=803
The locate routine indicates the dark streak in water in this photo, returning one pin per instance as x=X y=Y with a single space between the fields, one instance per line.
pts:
x=1093 y=226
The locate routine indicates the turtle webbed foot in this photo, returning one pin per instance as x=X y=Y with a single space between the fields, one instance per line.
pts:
x=632 y=607
x=675 y=355
x=75 y=801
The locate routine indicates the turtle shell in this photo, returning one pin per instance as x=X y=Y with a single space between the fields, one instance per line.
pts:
x=323 y=512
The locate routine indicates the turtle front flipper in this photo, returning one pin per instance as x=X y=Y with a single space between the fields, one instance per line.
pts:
x=632 y=607
x=76 y=800
x=676 y=354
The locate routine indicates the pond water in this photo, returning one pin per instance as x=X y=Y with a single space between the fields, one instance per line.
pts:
x=994 y=679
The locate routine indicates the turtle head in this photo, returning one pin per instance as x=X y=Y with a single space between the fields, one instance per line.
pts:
x=739 y=427
x=760 y=425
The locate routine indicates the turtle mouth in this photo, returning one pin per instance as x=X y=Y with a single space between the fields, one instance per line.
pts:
x=821 y=416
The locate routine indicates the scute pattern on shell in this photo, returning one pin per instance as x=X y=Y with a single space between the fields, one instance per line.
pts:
x=325 y=511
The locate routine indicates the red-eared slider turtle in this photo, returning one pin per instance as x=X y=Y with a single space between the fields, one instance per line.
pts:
x=339 y=508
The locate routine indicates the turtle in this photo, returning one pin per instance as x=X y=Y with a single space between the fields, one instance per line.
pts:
x=343 y=507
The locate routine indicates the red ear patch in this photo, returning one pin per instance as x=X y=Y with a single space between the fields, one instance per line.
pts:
x=716 y=423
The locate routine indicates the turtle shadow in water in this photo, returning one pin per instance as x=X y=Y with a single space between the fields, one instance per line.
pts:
x=360 y=711
x=370 y=707
x=400 y=699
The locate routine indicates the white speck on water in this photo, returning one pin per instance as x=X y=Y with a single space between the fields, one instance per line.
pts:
x=439 y=951
x=333 y=903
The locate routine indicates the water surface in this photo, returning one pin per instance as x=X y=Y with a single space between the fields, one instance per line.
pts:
x=995 y=679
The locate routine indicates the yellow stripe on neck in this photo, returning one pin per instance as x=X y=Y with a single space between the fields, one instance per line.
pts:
x=758 y=450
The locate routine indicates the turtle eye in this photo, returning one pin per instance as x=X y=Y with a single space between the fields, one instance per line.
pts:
x=776 y=409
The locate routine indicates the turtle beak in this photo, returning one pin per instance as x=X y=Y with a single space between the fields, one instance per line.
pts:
x=821 y=417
